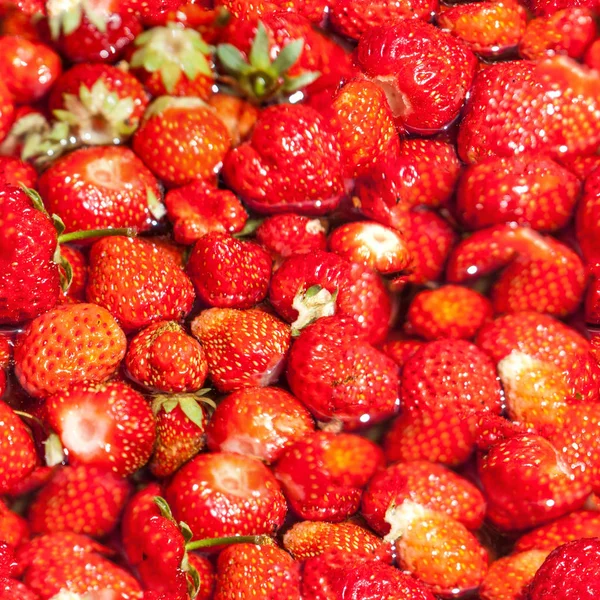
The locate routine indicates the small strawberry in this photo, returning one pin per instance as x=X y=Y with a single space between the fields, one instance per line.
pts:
x=78 y=272
x=66 y=345
x=244 y=348
x=15 y=172
x=107 y=425
x=400 y=348
x=197 y=150
x=238 y=115
x=139 y=283
x=221 y=494
x=258 y=422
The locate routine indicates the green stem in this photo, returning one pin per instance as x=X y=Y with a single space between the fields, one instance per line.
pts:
x=75 y=236
x=222 y=541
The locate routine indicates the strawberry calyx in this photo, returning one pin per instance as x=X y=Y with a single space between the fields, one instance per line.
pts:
x=66 y=17
x=23 y=129
x=188 y=402
x=258 y=78
x=312 y=304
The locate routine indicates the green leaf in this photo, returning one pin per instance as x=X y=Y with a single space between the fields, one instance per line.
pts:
x=53 y=450
x=259 y=52
x=288 y=56
x=96 y=18
x=232 y=59
x=155 y=206
x=59 y=224
x=170 y=74
x=194 y=586
x=293 y=84
x=35 y=198
x=186 y=532
x=65 y=116
x=165 y=509
x=66 y=275
x=189 y=405
x=71 y=20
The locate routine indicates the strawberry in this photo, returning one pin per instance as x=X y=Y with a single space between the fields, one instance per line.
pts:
x=199 y=208
x=102 y=187
x=25 y=122
x=520 y=496
x=292 y=162
x=15 y=172
x=417 y=481
x=245 y=282
x=528 y=190
x=489 y=28
x=400 y=348
x=451 y=311
x=247 y=571
x=549 y=7
x=221 y=494
x=570 y=571
x=322 y=475
x=592 y=296
x=164 y=358
x=569 y=31
x=206 y=573
x=107 y=425
x=78 y=273
x=5 y=359
x=592 y=56
x=197 y=150
x=11 y=588
x=258 y=422
x=139 y=283
x=522 y=107
x=582 y=166
x=17 y=452
x=66 y=345
x=83 y=499
x=585 y=218
x=14 y=529
x=391 y=55
x=238 y=115
x=337 y=375
x=7 y=111
x=244 y=348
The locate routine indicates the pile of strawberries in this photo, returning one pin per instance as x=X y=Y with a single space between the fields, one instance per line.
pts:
x=298 y=300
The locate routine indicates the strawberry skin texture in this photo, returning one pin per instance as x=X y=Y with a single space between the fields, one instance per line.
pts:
x=68 y=344
x=238 y=115
x=78 y=261
x=30 y=282
x=7 y=111
x=11 y=588
x=221 y=494
x=588 y=211
x=14 y=171
x=550 y=106
x=137 y=282
x=14 y=529
x=291 y=163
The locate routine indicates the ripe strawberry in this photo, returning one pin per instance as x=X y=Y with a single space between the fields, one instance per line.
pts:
x=582 y=166
x=164 y=358
x=14 y=530
x=592 y=56
x=522 y=107
x=337 y=375
x=528 y=190
x=570 y=571
x=585 y=217
x=5 y=359
x=549 y=7
x=246 y=571
x=78 y=274
x=11 y=588
x=7 y=111
x=243 y=284
x=66 y=345
x=322 y=474
x=238 y=114
x=258 y=422
x=391 y=55
x=106 y=425
x=102 y=187
x=83 y=499
x=292 y=162
x=222 y=494
x=307 y=539
x=197 y=150
x=206 y=573
x=400 y=348
x=489 y=28
x=15 y=172
x=199 y=208
x=244 y=348
x=138 y=283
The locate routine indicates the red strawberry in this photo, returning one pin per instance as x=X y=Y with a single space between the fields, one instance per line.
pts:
x=322 y=475
x=489 y=28
x=164 y=358
x=222 y=494
x=206 y=573
x=83 y=499
x=238 y=114
x=197 y=150
x=582 y=166
x=7 y=111
x=529 y=190
x=391 y=55
x=244 y=348
x=78 y=274
x=400 y=348
x=11 y=588
x=292 y=162
x=592 y=56
x=14 y=529
x=14 y=171
x=522 y=107
x=258 y=422
x=585 y=218
x=245 y=281
x=549 y=7
x=102 y=187
x=107 y=425
x=66 y=345
x=137 y=282
x=5 y=359
x=199 y=207
x=570 y=571
x=339 y=376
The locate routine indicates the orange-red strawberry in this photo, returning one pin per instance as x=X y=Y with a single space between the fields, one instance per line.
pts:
x=222 y=494
x=164 y=358
x=292 y=162
x=451 y=311
x=69 y=344
x=200 y=207
x=549 y=7
x=14 y=171
x=12 y=588
x=7 y=111
x=238 y=115
x=107 y=425
x=78 y=275
x=489 y=28
x=83 y=499
x=528 y=190
x=206 y=573
x=582 y=166
x=322 y=474
x=549 y=106
x=258 y=422
x=586 y=217
x=400 y=348
x=391 y=55
x=197 y=149
x=592 y=56
x=137 y=282
x=244 y=348
x=14 y=529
